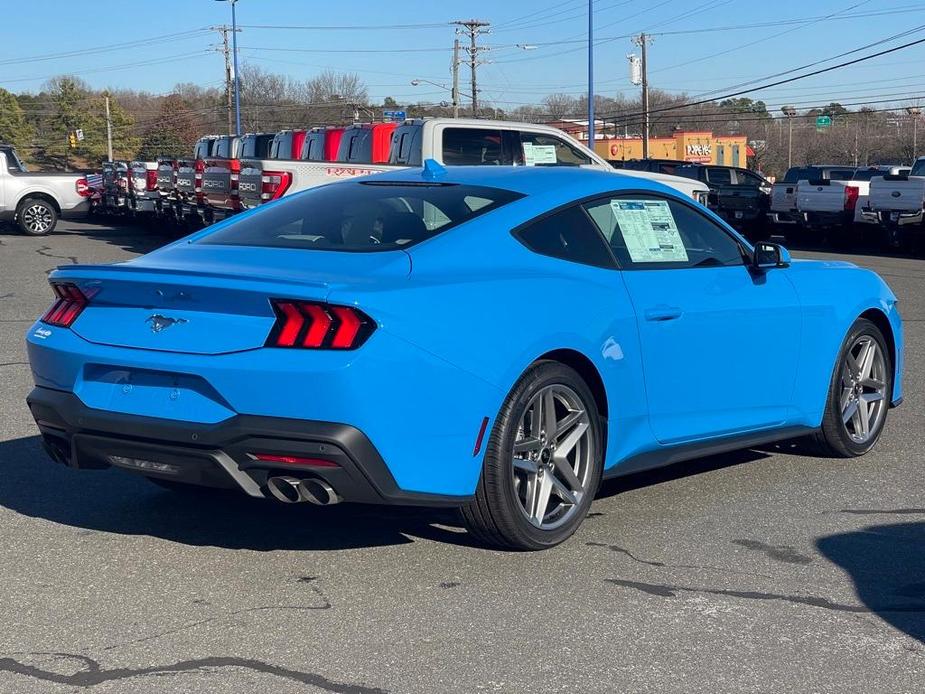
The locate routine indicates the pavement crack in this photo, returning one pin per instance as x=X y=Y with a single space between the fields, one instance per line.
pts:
x=14 y=363
x=44 y=250
x=886 y=511
x=94 y=674
x=659 y=564
x=666 y=590
x=783 y=553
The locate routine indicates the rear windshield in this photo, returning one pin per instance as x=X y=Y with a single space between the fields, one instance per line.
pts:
x=256 y=146
x=867 y=174
x=362 y=216
x=840 y=174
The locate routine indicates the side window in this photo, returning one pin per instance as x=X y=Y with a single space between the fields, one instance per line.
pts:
x=722 y=177
x=748 y=178
x=546 y=150
x=650 y=232
x=568 y=235
x=472 y=147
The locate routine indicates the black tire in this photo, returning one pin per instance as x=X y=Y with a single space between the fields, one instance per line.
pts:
x=36 y=217
x=495 y=516
x=833 y=439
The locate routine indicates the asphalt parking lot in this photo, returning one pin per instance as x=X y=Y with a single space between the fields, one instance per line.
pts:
x=761 y=571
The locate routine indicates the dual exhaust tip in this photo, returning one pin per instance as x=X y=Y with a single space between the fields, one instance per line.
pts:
x=292 y=490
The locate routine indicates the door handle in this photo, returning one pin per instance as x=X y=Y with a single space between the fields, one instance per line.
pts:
x=663 y=313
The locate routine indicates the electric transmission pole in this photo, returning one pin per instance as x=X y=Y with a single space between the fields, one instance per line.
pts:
x=223 y=30
x=642 y=41
x=474 y=27
x=108 y=130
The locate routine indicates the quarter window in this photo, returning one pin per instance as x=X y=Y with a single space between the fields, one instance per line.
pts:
x=472 y=147
x=651 y=232
x=568 y=235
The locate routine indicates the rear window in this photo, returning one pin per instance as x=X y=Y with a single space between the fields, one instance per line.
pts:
x=867 y=174
x=362 y=216
x=257 y=146
x=406 y=145
x=281 y=147
x=840 y=174
x=203 y=149
x=356 y=146
x=222 y=148
x=313 y=147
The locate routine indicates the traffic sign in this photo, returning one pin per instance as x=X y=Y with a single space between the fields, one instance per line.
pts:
x=389 y=116
x=823 y=122
x=80 y=134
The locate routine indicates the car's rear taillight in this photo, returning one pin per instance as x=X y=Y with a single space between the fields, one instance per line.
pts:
x=71 y=301
x=151 y=179
x=234 y=192
x=82 y=188
x=199 y=168
x=314 y=325
x=851 y=198
x=274 y=184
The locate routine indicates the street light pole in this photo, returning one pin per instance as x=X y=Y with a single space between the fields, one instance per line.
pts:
x=914 y=112
x=790 y=112
x=591 y=75
x=237 y=82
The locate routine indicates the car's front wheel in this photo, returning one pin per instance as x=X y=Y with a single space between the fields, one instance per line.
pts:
x=859 y=393
x=542 y=463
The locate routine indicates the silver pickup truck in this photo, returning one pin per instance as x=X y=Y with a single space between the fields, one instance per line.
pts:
x=35 y=201
x=449 y=141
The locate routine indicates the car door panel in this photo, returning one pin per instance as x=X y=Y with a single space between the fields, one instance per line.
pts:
x=720 y=349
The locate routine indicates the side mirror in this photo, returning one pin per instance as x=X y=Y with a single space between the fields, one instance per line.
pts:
x=768 y=255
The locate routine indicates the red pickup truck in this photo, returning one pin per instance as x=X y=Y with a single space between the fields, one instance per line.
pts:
x=221 y=175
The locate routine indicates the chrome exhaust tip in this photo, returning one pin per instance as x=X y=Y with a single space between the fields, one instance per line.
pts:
x=285 y=489
x=318 y=492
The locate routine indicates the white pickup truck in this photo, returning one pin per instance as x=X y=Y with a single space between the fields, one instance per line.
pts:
x=35 y=201
x=783 y=206
x=898 y=200
x=449 y=141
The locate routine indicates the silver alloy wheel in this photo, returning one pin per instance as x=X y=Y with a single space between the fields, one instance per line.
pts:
x=552 y=457
x=37 y=218
x=863 y=389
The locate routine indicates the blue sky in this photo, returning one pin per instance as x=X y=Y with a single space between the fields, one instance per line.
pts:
x=700 y=59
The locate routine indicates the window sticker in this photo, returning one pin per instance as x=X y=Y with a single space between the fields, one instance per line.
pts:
x=649 y=231
x=539 y=154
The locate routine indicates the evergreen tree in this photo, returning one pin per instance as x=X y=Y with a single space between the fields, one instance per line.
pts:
x=14 y=129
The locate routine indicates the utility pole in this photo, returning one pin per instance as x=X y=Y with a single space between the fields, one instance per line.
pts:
x=229 y=83
x=914 y=113
x=474 y=27
x=455 y=91
x=643 y=41
x=790 y=112
x=108 y=130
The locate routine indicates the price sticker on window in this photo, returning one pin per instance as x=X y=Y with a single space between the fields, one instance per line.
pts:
x=649 y=231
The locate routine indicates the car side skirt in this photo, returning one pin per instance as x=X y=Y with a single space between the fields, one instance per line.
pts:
x=699 y=449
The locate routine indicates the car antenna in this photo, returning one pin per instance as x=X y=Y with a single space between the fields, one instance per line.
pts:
x=433 y=170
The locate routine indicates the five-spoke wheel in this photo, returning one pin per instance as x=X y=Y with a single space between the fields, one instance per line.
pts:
x=542 y=463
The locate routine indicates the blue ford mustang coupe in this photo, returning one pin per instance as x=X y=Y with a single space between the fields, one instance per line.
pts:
x=495 y=339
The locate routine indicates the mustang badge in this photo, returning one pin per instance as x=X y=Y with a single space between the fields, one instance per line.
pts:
x=160 y=323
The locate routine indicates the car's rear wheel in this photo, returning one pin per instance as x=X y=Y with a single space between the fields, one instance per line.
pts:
x=37 y=217
x=859 y=394
x=542 y=463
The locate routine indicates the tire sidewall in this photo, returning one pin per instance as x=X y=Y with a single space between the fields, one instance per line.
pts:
x=501 y=446
x=861 y=327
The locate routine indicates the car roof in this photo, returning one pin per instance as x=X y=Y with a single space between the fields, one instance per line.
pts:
x=533 y=180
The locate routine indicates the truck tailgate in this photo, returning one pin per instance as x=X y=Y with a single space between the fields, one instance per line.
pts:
x=783 y=197
x=897 y=194
x=821 y=196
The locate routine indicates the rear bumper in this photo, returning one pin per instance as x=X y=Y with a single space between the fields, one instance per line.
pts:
x=219 y=455
x=826 y=220
x=785 y=217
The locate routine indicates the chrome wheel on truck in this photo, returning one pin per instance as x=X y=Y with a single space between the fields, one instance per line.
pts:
x=37 y=217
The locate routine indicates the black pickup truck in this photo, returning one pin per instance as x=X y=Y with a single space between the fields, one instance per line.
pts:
x=739 y=196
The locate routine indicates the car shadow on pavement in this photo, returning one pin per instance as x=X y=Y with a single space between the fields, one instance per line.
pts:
x=887 y=565
x=114 y=501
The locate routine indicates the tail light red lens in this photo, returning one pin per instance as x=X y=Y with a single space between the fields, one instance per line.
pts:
x=274 y=184
x=83 y=189
x=71 y=301
x=851 y=198
x=151 y=179
x=293 y=460
x=314 y=325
